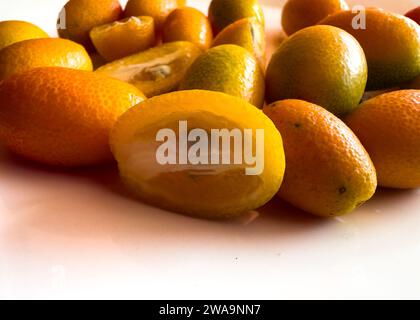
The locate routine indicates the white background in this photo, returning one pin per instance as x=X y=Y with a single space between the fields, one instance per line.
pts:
x=78 y=235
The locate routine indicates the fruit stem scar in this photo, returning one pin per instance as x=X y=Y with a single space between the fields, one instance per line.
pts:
x=342 y=190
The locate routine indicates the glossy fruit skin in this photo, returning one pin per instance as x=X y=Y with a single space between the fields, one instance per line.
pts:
x=224 y=193
x=320 y=64
x=157 y=9
x=62 y=117
x=157 y=70
x=124 y=38
x=229 y=69
x=247 y=33
x=188 y=24
x=225 y=12
x=81 y=16
x=49 y=52
x=389 y=128
x=16 y=31
x=391 y=44
x=300 y=14
x=414 y=15
x=328 y=171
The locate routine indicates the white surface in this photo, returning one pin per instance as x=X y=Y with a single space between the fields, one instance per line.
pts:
x=78 y=235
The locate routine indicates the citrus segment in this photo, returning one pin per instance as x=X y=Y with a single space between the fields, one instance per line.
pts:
x=157 y=70
x=124 y=38
x=79 y=17
x=212 y=190
x=157 y=9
